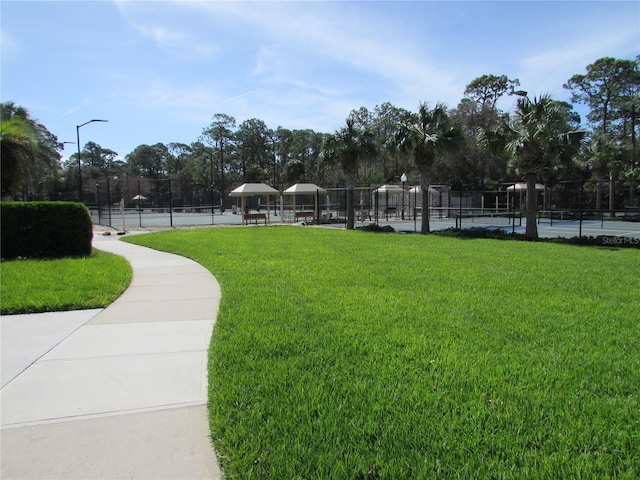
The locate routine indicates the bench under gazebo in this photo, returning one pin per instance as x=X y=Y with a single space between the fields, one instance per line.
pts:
x=305 y=189
x=252 y=190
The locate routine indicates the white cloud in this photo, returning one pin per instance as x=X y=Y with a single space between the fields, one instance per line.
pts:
x=76 y=108
x=246 y=94
x=180 y=43
x=11 y=48
x=302 y=33
x=271 y=63
x=548 y=69
x=166 y=95
x=161 y=35
x=146 y=18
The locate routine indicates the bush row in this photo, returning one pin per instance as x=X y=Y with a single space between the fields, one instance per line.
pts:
x=499 y=234
x=45 y=229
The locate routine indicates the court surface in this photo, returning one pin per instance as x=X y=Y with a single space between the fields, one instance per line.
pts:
x=546 y=229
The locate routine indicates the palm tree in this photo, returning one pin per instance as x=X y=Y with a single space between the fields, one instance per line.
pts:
x=348 y=146
x=48 y=167
x=428 y=136
x=602 y=155
x=19 y=149
x=30 y=158
x=538 y=138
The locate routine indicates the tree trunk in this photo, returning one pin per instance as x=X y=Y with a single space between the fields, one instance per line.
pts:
x=531 y=230
x=598 y=195
x=351 y=185
x=612 y=193
x=424 y=186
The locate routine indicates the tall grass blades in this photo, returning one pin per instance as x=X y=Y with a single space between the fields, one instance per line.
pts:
x=349 y=355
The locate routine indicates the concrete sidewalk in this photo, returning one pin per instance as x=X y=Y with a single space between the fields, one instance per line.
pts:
x=118 y=393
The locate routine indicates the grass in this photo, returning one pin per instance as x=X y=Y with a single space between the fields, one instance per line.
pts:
x=350 y=355
x=33 y=286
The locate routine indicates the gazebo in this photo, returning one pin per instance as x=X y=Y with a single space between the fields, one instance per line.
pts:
x=415 y=195
x=387 y=198
x=305 y=189
x=415 y=198
x=250 y=190
x=521 y=188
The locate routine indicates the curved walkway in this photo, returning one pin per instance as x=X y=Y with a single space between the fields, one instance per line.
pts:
x=114 y=393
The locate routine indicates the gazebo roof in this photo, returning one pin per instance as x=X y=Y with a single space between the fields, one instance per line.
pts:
x=247 y=189
x=418 y=189
x=303 y=189
x=523 y=186
x=389 y=188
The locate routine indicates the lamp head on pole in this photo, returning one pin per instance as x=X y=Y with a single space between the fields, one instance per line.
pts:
x=403 y=178
x=91 y=121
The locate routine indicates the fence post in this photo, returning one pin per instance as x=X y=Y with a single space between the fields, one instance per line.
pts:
x=212 y=221
x=139 y=205
x=415 y=208
x=170 y=205
x=580 y=218
x=513 y=204
x=377 y=204
x=550 y=207
x=109 y=200
x=98 y=202
x=459 y=208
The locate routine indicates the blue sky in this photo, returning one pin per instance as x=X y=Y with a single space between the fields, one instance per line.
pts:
x=159 y=70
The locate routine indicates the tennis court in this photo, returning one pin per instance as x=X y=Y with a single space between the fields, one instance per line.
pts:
x=507 y=221
x=589 y=228
x=510 y=223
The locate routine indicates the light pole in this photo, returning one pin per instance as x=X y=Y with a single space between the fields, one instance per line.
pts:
x=211 y=189
x=98 y=202
x=403 y=179
x=79 y=166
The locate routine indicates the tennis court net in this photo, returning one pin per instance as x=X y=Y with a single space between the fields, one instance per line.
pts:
x=488 y=219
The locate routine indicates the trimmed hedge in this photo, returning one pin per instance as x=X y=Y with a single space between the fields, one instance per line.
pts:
x=45 y=229
x=499 y=234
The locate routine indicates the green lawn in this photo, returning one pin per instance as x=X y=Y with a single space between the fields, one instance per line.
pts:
x=350 y=355
x=32 y=286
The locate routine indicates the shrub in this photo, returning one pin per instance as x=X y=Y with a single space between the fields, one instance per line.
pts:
x=45 y=229
x=480 y=232
x=372 y=227
x=499 y=234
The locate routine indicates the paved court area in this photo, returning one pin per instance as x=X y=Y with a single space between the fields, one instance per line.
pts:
x=563 y=229
x=546 y=229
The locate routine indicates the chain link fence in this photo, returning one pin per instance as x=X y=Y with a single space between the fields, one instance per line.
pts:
x=166 y=203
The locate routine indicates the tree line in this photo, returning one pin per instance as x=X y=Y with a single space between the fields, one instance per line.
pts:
x=475 y=144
